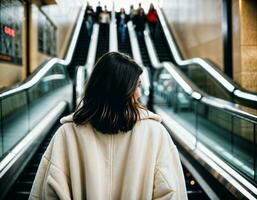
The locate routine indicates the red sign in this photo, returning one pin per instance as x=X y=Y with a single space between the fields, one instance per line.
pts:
x=9 y=31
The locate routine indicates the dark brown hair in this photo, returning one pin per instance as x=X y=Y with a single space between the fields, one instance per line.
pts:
x=108 y=104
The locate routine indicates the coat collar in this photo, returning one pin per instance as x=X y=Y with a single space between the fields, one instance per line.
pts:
x=144 y=114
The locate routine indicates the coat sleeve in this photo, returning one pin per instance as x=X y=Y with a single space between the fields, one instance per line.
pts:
x=169 y=181
x=50 y=182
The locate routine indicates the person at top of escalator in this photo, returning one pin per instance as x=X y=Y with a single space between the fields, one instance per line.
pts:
x=122 y=20
x=152 y=19
x=104 y=20
x=132 y=13
x=139 y=8
x=89 y=19
x=98 y=10
x=111 y=147
x=140 y=20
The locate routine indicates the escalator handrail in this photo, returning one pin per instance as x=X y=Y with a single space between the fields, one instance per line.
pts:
x=196 y=93
x=135 y=47
x=36 y=77
x=92 y=48
x=227 y=173
x=138 y=58
x=191 y=89
x=224 y=80
x=84 y=72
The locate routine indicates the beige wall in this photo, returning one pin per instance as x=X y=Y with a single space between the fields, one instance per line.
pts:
x=244 y=14
x=197 y=27
x=61 y=17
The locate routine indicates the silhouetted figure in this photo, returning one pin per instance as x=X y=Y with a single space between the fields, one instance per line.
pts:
x=98 y=10
x=140 y=20
x=104 y=20
x=152 y=19
x=122 y=20
x=139 y=8
x=132 y=13
x=89 y=20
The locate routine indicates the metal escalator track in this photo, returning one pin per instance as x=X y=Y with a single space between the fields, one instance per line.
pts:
x=31 y=120
x=124 y=46
x=144 y=53
x=194 y=190
x=161 y=45
x=208 y=121
x=196 y=74
x=81 y=50
x=103 y=41
x=22 y=187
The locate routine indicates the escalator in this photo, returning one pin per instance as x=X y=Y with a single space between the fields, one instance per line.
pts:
x=22 y=187
x=194 y=190
x=124 y=47
x=216 y=128
x=35 y=108
x=144 y=53
x=103 y=40
x=161 y=45
x=81 y=51
x=201 y=76
x=195 y=73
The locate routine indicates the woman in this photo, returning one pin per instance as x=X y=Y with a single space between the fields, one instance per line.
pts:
x=111 y=147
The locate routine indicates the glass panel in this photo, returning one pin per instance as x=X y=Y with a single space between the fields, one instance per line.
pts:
x=205 y=81
x=170 y=96
x=215 y=130
x=243 y=145
x=230 y=137
x=14 y=119
x=45 y=95
x=201 y=78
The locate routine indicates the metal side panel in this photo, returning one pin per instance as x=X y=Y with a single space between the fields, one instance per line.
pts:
x=14 y=163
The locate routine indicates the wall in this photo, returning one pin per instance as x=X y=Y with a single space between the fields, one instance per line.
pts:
x=11 y=51
x=60 y=16
x=197 y=27
x=63 y=15
x=245 y=68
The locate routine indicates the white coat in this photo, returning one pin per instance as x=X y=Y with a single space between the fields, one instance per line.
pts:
x=81 y=163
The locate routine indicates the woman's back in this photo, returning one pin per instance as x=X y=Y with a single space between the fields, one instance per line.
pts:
x=82 y=163
x=111 y=147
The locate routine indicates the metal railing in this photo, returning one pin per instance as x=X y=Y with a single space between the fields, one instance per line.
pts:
x=239 y=93
x=30 y=109
x=138 y=58
x=84 y=72
x=193 y=116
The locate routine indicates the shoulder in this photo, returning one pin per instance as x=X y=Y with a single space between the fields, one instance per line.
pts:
x=151 y=128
